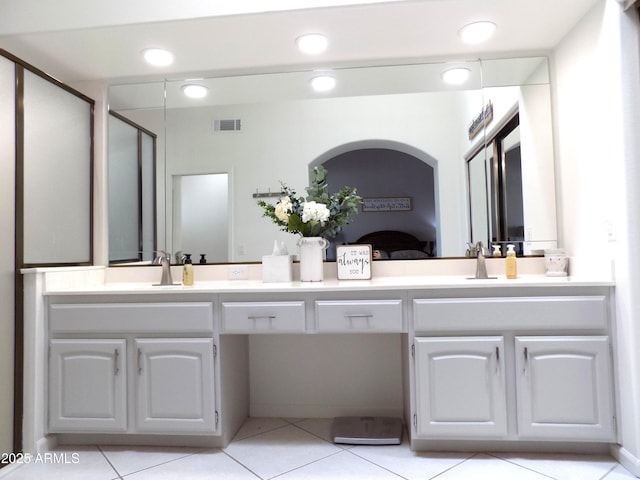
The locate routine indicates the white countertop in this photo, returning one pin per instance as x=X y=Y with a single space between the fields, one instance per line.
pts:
x=391 y=276
x=376 y=284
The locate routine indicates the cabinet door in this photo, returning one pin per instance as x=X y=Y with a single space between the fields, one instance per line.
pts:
x=460 y=387
x=87 y=386
x=564 y=388
x=175 y=385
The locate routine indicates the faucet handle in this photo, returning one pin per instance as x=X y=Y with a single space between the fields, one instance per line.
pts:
x=161 y=255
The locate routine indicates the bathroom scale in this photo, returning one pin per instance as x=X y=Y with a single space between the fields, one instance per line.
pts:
x=367 y=430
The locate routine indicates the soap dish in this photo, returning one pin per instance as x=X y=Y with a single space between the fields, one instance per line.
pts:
x=367 y=430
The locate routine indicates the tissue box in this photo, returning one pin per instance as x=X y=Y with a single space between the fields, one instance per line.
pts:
x=277 y=268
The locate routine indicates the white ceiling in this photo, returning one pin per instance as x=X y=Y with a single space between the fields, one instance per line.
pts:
x=77 y=40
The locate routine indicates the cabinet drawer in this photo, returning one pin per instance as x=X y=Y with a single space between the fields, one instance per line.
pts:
x=263 y=317
x=359 y=316
x=553 y=313
x=121 y=318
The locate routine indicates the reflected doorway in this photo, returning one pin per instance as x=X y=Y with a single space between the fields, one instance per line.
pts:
x=494 y=176
x=201 y=216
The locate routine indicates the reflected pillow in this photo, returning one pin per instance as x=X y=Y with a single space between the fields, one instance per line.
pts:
x=408 y=254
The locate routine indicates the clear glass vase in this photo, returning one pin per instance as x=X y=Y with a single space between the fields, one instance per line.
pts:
x=312 y=258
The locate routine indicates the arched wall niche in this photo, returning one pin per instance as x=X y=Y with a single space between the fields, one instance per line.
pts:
x=383 y=168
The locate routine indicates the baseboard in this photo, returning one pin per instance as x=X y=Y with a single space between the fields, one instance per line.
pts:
x=200 y=441
x=485 y=445
x=9 y=469
x=626 y=459
x=46 y=444
x=319 y=411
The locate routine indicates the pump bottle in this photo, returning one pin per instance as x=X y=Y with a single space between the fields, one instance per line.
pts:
x=511 y=263
x=187 y=271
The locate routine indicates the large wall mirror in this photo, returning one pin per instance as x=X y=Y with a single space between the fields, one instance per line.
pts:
x=253 y=132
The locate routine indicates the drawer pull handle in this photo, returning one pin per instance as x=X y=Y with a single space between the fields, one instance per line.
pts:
x=139 y=361
x=355 y=316
x=526 y=361
x=497 y=361
x=256 y=318
x=116 y=361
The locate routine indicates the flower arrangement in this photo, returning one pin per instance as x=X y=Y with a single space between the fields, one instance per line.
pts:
x=317 y=215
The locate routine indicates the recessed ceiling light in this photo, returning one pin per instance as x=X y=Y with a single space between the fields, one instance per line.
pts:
x=456 y=76
x=158 y=57
x=323 y=83
x=477 y=32
x=312 y=43
x=193 y=90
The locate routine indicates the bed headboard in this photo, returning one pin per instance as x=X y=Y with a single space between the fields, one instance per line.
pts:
x=390 y=241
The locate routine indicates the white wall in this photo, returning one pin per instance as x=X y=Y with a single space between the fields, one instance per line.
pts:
x=597 y=119
x=7 y=247
x=325 y=375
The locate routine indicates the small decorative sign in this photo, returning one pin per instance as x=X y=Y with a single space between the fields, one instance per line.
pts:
x=354 y=262
x=386 y=204
x=484 y=118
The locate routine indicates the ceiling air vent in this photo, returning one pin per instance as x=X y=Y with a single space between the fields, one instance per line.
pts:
x=227 y=125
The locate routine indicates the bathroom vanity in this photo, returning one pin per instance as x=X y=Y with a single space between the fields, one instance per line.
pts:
x=492 y=363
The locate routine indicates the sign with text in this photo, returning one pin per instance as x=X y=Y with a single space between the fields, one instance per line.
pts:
x=386 y=204
x=354 y=262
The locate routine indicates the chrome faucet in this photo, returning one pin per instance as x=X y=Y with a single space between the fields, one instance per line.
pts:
x=164 y=259
x=481 y=267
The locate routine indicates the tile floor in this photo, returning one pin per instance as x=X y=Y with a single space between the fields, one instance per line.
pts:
x=301 y=449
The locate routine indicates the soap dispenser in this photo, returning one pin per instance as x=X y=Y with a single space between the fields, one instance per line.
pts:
x=511 y=265
x=187 y=271
x=496 y=251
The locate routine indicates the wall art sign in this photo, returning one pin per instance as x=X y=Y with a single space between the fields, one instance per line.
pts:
x=386 y=204
x=354 y=262
x=484 y=118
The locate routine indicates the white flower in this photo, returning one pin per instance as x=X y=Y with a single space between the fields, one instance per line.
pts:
x=315 y=211
x=283 y=208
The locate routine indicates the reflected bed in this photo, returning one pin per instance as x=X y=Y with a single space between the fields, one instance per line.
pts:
x=392 y=244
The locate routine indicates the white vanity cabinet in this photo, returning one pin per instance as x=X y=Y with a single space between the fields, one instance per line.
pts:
x=87 y=385
x=460 y=384
x=132 y=368
x=564 y=387
x=175 y=385
x=512 y=368
x=505 y=365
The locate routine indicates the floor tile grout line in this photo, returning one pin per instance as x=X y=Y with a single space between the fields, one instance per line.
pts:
x=306 y=464
x=257 y=434
x=613 y=467
x=241 y=464
x=318 y=436
x=453 y=466
x=153 y=466
x=355 y=454
x=289 y=424
x=471 y=455
x=521 y=466
x=109 y=461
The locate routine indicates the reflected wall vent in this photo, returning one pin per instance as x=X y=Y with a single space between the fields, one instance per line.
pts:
x=227 y=125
